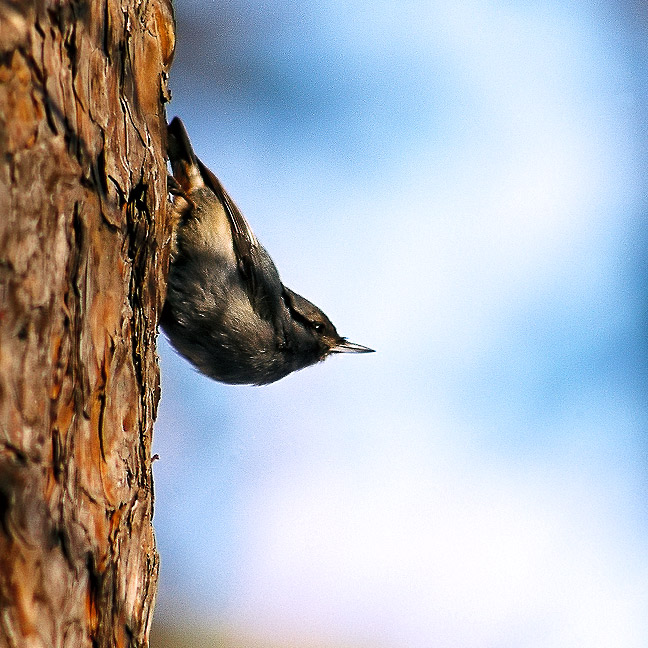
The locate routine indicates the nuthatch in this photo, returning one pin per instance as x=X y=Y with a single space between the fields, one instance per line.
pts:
x=226 y=309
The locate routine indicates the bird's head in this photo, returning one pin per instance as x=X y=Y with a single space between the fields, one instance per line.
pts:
x=316 y=331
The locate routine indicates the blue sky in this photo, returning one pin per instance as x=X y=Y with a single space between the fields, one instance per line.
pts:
x=461 y=188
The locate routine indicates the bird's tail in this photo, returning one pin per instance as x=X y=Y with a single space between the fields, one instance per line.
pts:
x=182 y=157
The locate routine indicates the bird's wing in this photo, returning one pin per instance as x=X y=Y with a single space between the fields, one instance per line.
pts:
x=244 y=238
x=262 y=286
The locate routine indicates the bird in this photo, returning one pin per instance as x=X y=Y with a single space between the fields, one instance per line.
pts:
x=226 y=309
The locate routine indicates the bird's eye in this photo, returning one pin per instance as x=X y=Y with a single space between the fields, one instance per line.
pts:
x=318 y=327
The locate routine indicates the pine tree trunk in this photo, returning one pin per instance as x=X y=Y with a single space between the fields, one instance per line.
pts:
x=83 y=257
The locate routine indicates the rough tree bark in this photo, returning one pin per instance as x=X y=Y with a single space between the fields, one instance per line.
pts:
x=83 y=234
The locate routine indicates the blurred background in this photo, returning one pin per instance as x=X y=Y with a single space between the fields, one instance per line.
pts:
x=461 y=186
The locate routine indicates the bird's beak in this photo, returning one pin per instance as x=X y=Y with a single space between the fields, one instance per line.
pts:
x=343 y=346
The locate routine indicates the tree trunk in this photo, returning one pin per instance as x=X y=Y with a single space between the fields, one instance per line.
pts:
x=83 y=257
